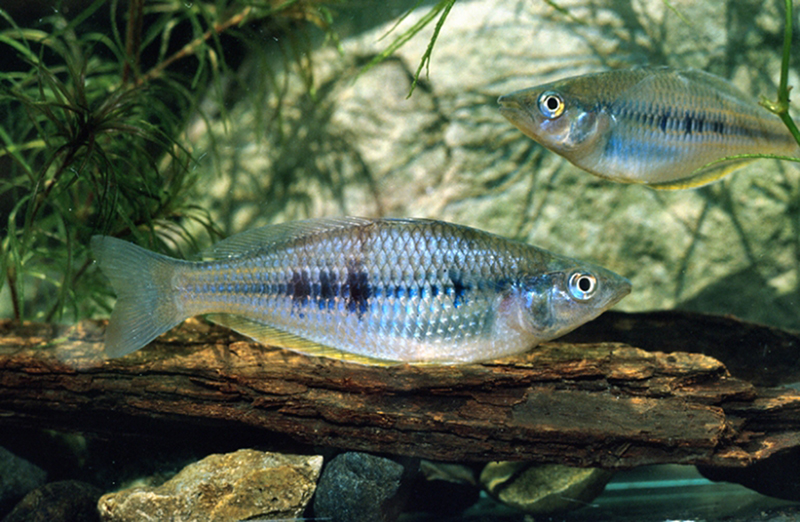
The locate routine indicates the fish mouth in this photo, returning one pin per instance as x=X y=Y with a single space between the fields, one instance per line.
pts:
x=626 y=286
x=506 y=100
x=514 y=111
x=623 y=289
x=519 y=115
x=509 y=104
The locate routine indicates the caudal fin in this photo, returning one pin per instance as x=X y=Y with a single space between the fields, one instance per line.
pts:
x=142 y=281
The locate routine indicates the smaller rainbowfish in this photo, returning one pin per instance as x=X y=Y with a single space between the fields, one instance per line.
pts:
x=657 y=126
x=371 y=291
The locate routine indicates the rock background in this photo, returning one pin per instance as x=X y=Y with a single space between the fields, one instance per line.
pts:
x=361 y=147
x=222 y=488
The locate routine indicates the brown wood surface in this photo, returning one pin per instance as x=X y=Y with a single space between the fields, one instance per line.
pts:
x=579 y=401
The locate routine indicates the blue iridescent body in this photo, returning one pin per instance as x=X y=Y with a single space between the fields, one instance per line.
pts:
x=366 y=290
x=659 y=126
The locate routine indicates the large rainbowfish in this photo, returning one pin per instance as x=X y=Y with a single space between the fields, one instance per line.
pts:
x=402 y=290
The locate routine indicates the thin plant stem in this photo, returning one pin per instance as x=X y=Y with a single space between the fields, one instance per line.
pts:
x=190 y=48
x=426 y=58
x=12 y=287
x=781 y=106
x=133 y=40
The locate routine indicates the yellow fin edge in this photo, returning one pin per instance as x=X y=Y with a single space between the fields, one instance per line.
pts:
x=272 y=336
x=703 y=175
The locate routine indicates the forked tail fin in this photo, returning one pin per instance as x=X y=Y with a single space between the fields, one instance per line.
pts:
x=146 y=305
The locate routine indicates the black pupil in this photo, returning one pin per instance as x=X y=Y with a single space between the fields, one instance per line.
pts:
x=552 y=103
x=584 y=284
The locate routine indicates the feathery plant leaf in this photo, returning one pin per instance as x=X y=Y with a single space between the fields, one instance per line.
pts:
x=442 y=9
x=92 y=123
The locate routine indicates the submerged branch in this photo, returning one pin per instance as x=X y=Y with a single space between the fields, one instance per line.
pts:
x=587 y=403
x=191 y=48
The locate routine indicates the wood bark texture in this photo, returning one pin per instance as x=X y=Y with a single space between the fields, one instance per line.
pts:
x=591 y=399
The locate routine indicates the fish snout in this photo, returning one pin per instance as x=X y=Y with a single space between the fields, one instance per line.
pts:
x=513 y=108
x=625 y=288
x=507 y=99
x=619 y=288
x=509 y=103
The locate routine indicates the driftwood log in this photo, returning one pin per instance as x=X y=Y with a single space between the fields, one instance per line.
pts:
x=596 y=398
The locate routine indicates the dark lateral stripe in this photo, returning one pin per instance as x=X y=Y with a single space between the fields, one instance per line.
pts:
x=299 y=288
x=328 y=290
x=691 y=122
x=406 y=292
x=323 y=291
x=353 y=289
x=662 y=124
x=357 y=287
x=459 y=288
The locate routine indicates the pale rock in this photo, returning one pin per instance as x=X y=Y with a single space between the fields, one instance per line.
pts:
x=222 y=488
x=543 y=489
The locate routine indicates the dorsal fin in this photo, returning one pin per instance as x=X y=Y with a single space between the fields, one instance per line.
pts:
x=647 y=88
x=258 y=238
x=689 y=83
x=721 y=85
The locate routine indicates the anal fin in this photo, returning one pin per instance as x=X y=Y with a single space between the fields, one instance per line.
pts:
x=704 y=175
x=271 y=336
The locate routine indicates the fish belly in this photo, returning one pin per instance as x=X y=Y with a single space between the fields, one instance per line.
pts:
x=640 y=155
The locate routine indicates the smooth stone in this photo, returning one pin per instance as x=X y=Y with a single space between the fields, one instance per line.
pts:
x=543 y=489
x=17 y=478
x=220 y=488
x=63 y=501
x=358 y=487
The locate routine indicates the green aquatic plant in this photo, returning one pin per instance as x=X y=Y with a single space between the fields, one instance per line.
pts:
x=781 y=106
x=93 y=139
x=441 y=9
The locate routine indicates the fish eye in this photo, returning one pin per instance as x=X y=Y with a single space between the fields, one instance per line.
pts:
x=551 y=105
x=582 y=286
